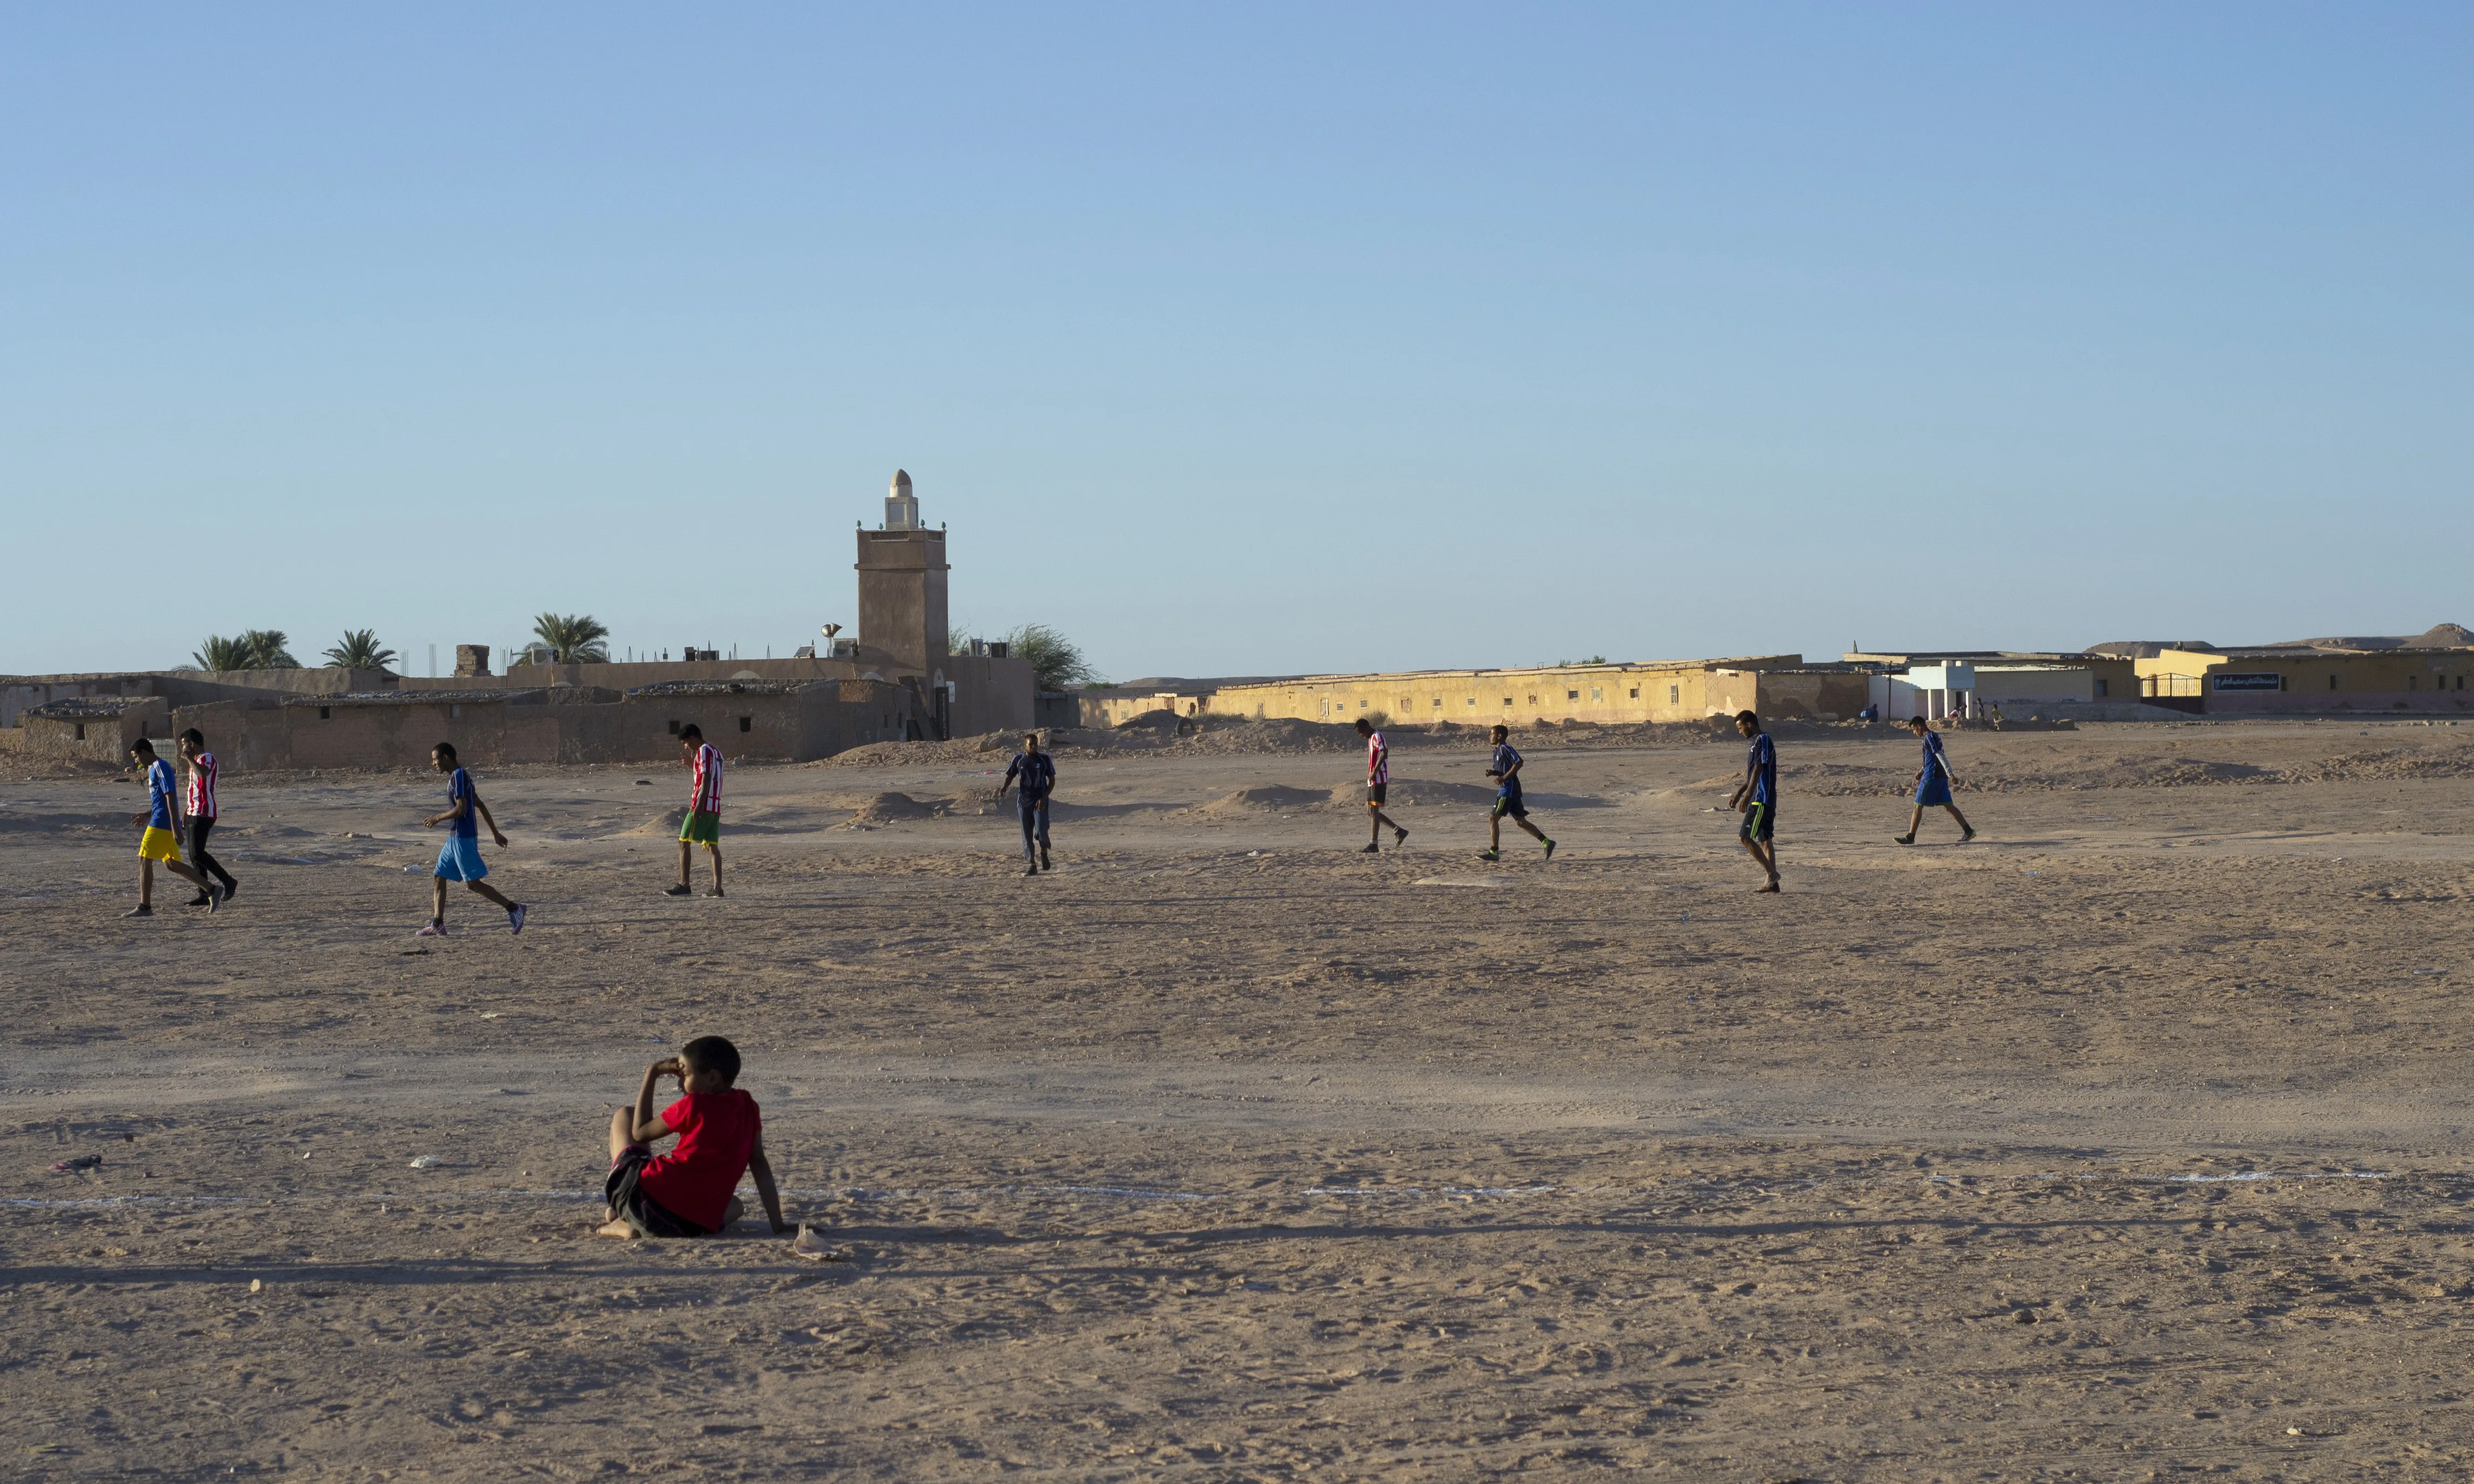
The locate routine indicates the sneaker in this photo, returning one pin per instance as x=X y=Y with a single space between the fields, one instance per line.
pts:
x=1399 y=835
x=1967 y=835
x=716 y=891
x=1371 y=848
x=231 y=889
x=214 y=898
x=200 y=900
x=681 y=890
x=516 y=917
x=431 y=930
x=1905 y=839
x=1032 y=870
x=1490 y=855
x=1551 y=850
x=139 y=911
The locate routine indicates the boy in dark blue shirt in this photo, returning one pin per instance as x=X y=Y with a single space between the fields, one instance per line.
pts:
x=1504 y=768
x=1038 y=774
x=460 y=858
x=1757 y=796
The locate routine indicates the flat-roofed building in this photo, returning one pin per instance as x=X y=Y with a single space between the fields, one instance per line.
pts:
x=1612 y=693
x=2291 y=678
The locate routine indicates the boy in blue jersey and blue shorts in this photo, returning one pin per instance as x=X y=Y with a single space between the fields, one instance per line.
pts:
x=1757 y=797
x=1037 y=772
x=1932 y=785
x=460 y=858
x=1504 y=768
x=162 y=840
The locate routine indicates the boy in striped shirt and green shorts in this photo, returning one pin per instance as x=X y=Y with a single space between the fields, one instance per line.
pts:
x=703 y=823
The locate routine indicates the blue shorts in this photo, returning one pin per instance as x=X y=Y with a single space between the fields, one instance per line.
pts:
x=460 y=859
x=1934 y=790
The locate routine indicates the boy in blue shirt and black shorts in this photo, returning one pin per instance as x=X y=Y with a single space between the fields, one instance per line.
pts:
x=1757 y=797
x=1504 y=768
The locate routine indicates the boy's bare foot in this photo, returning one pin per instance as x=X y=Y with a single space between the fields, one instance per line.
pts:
x=615 y=1228
x=681 y=890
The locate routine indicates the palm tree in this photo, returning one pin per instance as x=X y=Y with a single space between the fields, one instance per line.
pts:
x=360 y=650
x=266 y=650
x=1057 y=661
x=221 y=653
x=574 y=638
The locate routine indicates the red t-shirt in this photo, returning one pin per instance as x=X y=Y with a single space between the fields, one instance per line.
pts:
x=716 y=1133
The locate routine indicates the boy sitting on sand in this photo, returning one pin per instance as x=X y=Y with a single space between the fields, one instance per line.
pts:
x=688 y=1192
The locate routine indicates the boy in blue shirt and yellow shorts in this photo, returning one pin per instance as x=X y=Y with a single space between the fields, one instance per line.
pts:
x=162 y=840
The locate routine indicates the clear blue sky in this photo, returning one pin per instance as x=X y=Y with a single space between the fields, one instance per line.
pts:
x=1237 y=340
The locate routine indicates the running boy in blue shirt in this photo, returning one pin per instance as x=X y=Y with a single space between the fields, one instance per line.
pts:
x=1757 y=797
x=1038 y=774
x=460 y=858
x=1504 y=768
x=162 y=840
x=1932 y=785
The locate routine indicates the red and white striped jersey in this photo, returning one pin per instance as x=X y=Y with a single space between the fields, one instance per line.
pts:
x=198 y=802
x=707 y=796
x=1378 y=760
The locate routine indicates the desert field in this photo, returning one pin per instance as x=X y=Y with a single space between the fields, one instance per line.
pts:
x=2127 y=1142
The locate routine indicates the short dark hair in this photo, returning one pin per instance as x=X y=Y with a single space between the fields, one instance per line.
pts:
x=448 y=748
x=711 y=1054
x=1918 y=722
x=1501 y=730
x=1749 y=717
x=195 y=738
x=1363 y=726
x=691 y=730
x=143 y=745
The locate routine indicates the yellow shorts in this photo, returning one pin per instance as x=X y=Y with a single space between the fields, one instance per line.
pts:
x=158 y=846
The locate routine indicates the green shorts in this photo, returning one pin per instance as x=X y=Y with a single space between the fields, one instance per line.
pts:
x=703 y=827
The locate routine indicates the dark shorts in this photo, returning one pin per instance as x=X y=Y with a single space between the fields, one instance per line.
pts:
x=1375 y=792
x=1510 y=804
x=1759 y=820
x=629 y=1204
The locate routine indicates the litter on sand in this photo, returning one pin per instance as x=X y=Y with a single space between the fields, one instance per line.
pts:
x=81 y=1162
x=425 y=1161
x=816 y=1248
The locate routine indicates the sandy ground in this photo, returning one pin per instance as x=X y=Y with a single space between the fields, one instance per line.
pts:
x=2127 y=1142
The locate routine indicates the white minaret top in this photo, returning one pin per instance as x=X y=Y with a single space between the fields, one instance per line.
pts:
x=901 y=506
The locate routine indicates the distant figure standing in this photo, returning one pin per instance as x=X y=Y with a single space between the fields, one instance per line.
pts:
x=1504 y=768
x=1757 y=797
x=1378 y=782
x=1932 y=785
x=703 y=824
x=460 y=858
x=198 y=807
x=1037 y=772
x=162 y=840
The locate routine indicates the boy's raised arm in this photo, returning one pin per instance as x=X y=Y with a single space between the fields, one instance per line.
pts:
x=764 y=1191
x=649 y=1128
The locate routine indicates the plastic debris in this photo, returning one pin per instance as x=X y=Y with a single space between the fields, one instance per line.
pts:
x=814 y=1247
x=81 y=1162
x=425 y=1161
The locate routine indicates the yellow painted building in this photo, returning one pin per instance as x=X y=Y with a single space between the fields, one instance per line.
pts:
x=2299 y=678
x=1647 y=691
